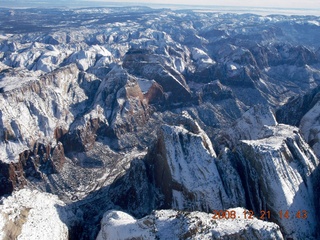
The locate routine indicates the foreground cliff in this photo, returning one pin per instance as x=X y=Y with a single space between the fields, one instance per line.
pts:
x=170 y=224
x=34 y=215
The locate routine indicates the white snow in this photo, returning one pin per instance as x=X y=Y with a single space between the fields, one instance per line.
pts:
x=37 y=215
x=202 y=58
x=117 y=225
x=233 y=67
x=10 y=83
x=32 y=107
x=9 y=152
x=171 y=224
x=314 y=22
x=145 y=84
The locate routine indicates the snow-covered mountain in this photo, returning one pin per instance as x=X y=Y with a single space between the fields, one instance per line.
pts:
x=149 y=120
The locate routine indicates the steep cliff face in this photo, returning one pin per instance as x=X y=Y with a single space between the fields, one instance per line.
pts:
x=310 y=128
x=294 y=110
x=123 y=101
x=279 y=172
x=170 y=224
x=35 y=114
x=32 y=165
x=184 y=168
x=274 y=170
x=33 y=109
x=133 y=192
x=11 y=177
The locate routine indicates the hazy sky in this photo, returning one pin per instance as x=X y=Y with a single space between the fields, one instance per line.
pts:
x=311 y=4
x=256 y=3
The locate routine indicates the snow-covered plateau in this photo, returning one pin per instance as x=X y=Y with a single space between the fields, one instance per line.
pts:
x=142 y=123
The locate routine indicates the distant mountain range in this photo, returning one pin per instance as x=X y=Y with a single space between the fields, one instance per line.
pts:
x=151 y=123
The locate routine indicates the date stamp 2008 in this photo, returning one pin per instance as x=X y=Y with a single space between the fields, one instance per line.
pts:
x=263 y=215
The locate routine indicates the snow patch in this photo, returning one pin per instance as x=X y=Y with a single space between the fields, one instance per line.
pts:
x=145 y=84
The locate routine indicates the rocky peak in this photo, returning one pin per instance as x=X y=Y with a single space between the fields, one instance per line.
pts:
x=153 y=66
x=181 y=161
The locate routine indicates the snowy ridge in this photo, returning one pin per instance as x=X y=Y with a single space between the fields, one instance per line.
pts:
x=170 y=224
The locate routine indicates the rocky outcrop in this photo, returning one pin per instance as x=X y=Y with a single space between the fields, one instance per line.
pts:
x=303 y=112
x=34 y=215
x=170 y=224
x=155 y=94
x=11 y=177
x=83 y=137
x=105 y=85
x=122 y=101
x=215 y=92
x=310 y=128
x=33 y=109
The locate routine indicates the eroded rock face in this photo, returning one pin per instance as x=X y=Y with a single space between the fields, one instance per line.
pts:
x=123 y=103
x=11 y=177
x=155 y=94
x=251 y=126
x=280 y=172
x=132 y=192
x=170 y=224
x=32 y=164
x=215 y=91
x=294 y=110
x=83 y=137
x=274 y=170
x=105 y=89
